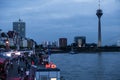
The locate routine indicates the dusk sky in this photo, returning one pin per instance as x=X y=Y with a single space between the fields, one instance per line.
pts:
x=48 y=20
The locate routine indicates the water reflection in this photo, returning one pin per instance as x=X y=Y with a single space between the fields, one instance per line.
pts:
x=100 y=68
x=96 y=66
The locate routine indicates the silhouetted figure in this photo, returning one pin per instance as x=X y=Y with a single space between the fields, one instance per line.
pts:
x=18 y=69
x=21 y=71
x=11 y=65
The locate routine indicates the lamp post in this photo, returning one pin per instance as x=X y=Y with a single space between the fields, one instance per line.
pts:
x=33 y=46
x=7 y=44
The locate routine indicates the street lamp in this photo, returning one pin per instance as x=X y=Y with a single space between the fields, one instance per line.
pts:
x=7 y=44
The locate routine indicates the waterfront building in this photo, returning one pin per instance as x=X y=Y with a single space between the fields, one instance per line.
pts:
x=46 y=44
x=54 y=44
x=62 y=42
x=20 y=32
x=3 y=38
x=20 y=28
x=11 y=42
x=24 y=43
x=12 y=39
x=30 y=43
x=80 y=41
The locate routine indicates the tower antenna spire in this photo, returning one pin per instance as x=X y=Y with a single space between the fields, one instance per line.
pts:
x=99 y=4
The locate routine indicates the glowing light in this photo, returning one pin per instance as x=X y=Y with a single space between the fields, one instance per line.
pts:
x=53 y=79
x=53 y=66
x=47 y=65
x=7 y=42
x=50 y=65
x=17 y=53
x=8 y=54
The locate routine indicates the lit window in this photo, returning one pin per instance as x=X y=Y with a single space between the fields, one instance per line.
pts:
x=53 y=79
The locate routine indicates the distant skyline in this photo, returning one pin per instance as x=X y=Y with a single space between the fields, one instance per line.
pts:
x=48 y=20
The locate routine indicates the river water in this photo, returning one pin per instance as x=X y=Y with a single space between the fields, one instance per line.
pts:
x=88 y=66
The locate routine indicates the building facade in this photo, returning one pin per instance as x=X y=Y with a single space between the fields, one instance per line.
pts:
x=80 y=41
x=20 y=28
x=62 y=42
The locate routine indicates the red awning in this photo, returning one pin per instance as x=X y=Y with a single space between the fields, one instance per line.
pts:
x=15 y=78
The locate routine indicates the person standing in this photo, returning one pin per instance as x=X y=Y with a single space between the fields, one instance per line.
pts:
x=18 y=68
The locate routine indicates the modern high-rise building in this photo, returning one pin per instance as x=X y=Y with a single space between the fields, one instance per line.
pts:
x=20 y=28
x=62 y=42
x=80 y=41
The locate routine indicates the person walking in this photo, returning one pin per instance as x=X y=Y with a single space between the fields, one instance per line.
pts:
x=11 y=65
x=21 y=71
x=27 y=74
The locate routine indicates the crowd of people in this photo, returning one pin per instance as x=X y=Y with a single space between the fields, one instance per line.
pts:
x=21 y=65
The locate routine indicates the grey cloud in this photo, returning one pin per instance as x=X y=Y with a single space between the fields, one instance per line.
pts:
x=60 y=17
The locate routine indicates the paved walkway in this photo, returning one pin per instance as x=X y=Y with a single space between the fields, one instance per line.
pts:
x=13 y=70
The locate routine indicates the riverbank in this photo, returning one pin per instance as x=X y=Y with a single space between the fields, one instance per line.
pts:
x=88 y=50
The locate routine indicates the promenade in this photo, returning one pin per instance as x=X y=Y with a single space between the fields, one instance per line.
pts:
x=18 y=69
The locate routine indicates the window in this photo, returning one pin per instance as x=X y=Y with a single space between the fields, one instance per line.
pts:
x=22 y=29
x=19 y=25
x=53 y=79
x=44 y=78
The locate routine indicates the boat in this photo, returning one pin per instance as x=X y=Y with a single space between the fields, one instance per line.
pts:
x=72 y=51
x=45 y=70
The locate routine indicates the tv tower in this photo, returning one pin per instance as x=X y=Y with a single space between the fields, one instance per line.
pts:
x=99 y=14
